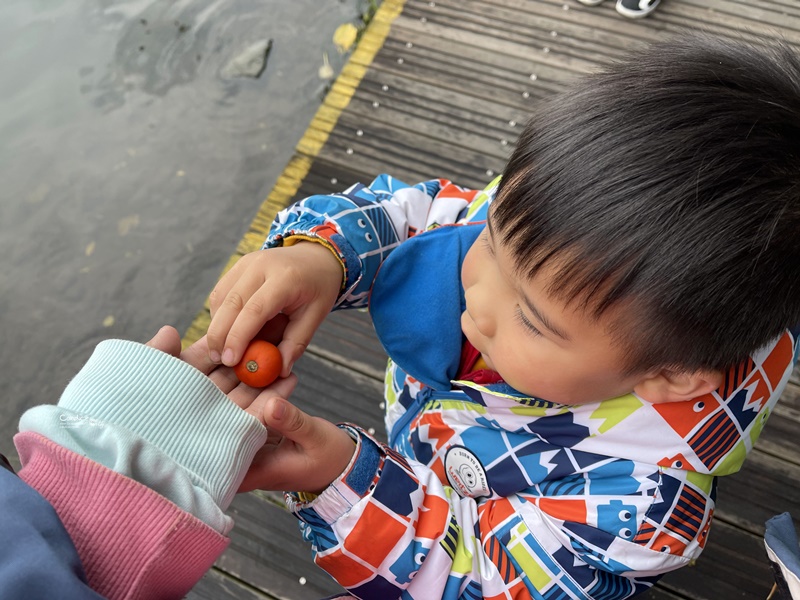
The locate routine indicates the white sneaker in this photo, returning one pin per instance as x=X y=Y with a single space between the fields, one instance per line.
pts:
x=635 y=9
x=590 y=2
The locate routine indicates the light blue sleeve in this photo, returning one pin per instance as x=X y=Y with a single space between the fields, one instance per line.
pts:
x=158 y=420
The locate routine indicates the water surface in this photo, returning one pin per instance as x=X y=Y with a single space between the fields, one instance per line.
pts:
x=131 y=166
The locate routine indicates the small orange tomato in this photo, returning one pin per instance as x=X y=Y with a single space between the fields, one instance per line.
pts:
x=260 y=365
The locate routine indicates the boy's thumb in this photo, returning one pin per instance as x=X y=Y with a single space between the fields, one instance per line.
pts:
x=288 y=420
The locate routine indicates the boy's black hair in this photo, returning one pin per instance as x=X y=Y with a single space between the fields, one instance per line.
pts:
x=668 y=186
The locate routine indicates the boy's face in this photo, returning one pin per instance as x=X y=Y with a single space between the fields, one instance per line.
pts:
x=538 y=344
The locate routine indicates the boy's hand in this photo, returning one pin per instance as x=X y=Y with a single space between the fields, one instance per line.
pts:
x=302 y=453
x=299 y=282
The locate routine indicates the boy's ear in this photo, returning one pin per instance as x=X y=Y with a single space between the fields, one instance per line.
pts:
x=667 y=385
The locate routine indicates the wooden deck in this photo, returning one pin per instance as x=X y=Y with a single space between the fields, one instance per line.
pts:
x=439 y=89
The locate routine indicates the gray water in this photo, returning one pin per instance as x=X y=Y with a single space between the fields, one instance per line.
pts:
x=131 y=166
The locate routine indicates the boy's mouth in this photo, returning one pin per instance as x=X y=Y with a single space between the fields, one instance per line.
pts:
x=466 y=331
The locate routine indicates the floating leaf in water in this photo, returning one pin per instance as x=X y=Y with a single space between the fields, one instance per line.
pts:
x=90 y=249
x=326 y=70
x=125 y=224
x=345 y=36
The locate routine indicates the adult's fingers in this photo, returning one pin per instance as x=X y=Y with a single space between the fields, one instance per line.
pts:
x=223 y=377
x=167 y=340
x=253 y=400
x=197 y=356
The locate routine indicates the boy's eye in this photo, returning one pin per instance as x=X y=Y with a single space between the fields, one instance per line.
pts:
x=527 y=323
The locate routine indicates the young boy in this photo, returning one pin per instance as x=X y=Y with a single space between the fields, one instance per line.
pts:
x=576 y=352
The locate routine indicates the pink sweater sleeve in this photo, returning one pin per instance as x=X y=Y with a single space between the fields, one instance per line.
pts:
x=133 y=543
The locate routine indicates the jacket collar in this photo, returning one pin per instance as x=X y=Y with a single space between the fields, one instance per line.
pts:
x=417 y=300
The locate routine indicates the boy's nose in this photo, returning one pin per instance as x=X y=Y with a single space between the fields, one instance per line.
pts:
x=479 y=310
x=485 y=325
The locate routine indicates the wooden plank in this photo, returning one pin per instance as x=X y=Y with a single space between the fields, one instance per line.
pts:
x=430 y=106
x=337 y=393
x=402 y=114
x=535 y=25
x=328 y=177
x=347 y=337
x=218 y=585
x=780 y=437
x=267 y=551
x=435 y=50
x=766 y=486
x=733 y=566
x=441 y=26
x=750 y=12
x=782 y=6
x=660 y=593
x=510 y=94
x=722 y=17
x=411 y=156
x=723 y=23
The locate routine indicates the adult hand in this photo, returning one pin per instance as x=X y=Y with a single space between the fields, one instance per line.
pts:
x=252 y=400
x=300 y=282
x=167 y=340
x=302 y=453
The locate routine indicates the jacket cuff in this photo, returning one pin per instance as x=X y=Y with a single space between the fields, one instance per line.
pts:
x=356 y=482
x=169 y=404
x=329 y=236
x=132 y=542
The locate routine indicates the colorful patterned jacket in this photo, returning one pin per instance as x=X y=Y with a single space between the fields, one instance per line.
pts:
x=483 y=492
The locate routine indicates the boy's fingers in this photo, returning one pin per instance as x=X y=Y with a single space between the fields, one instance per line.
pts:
x=227 y=282
x=298 y=333
x=241 y=299
x=289 y=421
x=260 y=308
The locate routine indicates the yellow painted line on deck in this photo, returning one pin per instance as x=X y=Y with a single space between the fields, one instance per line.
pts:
x=310 y=145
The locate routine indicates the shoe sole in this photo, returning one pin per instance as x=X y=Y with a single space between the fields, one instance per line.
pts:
x=634 y=14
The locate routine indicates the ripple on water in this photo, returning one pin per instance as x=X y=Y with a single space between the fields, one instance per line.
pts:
x=161 y=45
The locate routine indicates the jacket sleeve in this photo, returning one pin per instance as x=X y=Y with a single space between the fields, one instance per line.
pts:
x=138 y=485
x=389 y=529
x=363 y=224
